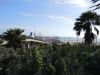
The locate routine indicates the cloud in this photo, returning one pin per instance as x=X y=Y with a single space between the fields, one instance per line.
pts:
x=78 y=3
x=64 y=18
x=27 y=14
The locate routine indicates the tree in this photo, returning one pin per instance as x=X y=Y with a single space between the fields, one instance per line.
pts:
x=86 y=22
x=14 y=37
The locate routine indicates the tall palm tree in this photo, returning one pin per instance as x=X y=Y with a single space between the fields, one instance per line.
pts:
x=86 y=22
x=14 y=37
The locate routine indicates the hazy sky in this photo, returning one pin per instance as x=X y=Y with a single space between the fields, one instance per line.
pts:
x=48 y=17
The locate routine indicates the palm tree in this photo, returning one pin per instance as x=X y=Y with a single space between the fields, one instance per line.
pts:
x=86 y=22
x=14 y=37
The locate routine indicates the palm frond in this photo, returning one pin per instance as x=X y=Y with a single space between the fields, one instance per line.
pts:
x=96 y=6
x=96 y=30
x=94 y=1
x=78 y=33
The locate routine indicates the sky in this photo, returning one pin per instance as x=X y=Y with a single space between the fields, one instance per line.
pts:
x=45 y=17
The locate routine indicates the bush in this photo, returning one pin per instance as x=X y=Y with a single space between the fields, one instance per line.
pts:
x=53 y=59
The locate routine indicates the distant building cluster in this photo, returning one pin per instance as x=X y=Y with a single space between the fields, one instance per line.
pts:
x=30 y=40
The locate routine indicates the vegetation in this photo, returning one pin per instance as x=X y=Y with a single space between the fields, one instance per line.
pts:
x=86 y=22
x=14 y=37
x=52 y=59
x=97 y=5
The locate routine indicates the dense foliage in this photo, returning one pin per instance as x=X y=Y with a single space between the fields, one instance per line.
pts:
x=14 y=37
x=53 y=59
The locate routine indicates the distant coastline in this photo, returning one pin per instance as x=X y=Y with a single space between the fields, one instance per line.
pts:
x=77 y=40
